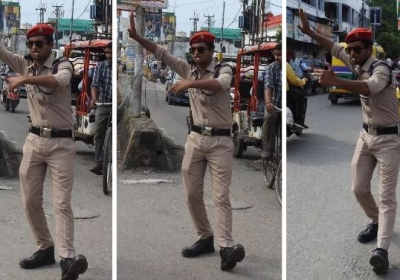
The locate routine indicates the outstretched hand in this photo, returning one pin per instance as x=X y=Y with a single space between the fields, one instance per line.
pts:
x=180 y=86
x=326 y=77
x=15 y=82
x=305 y=25
x=132 y=28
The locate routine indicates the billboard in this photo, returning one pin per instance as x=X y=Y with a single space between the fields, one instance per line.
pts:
x=169 y=26
x=10 y=17
x=130 y=5
x=152 y=26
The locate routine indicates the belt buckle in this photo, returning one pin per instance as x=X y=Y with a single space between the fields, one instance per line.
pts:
x=372 y=130
x=206 y=130
x=45 y=132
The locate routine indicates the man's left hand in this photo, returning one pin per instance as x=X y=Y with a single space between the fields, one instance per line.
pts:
x=326 y=77
x=15 y=82
x=179 y=86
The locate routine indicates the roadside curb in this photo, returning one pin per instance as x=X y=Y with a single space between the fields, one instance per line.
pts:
x=10 y=157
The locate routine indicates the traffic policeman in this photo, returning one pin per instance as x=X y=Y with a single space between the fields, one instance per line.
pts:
x=379 y=141
x=209 y=143
x=49 y=145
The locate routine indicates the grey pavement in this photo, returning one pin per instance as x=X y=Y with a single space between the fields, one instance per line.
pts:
x=154 y=223
x=323 y=216
x=92 y=210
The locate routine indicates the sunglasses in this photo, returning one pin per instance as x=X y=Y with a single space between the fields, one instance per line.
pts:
x=200 y=50
x=38 y=44
x=356 y=49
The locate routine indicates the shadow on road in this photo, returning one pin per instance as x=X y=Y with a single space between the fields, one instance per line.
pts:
x=317 y=149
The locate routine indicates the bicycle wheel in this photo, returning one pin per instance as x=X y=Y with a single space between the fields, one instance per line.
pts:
x=278 y=184
x=107 y=162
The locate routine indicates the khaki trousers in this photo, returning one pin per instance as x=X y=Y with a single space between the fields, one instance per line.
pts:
x=217 y=152
x=56 y=154
x=383 y=150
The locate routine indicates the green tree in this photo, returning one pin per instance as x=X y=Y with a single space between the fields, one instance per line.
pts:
x=278 y=35
x=387 y=34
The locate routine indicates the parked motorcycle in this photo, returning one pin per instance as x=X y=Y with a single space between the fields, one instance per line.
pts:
x=10 y=99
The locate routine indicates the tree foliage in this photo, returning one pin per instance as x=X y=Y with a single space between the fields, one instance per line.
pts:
x=387 y=34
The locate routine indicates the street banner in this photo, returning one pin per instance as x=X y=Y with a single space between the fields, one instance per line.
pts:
x=398 y=9
x=290 y=23
x=130 y=5
x=375 y=16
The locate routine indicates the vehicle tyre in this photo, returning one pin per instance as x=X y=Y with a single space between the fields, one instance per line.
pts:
x=13 y=106
x=299 y=132
x=166 y=98
x=170 y=102
x=334 y=101
x=107 y=162
x=278 y=184
x=269 y=169
x=238 y=145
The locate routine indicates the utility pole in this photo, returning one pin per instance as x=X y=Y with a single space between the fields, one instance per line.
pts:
x=135 y=102
x=362 y=15
x=222 y=27
x=41 y=10
x=195 y=19
x=57 y=12
x=72 y=22
x=209 y=21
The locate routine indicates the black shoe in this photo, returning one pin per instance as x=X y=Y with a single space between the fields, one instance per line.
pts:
x=230 y=256
x=202 y=246
x=71 y=268
x=97 y=169
x=369 y=234
x=379 y=260
x=38 y=259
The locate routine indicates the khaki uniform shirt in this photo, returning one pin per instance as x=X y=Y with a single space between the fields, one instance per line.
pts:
x=51 y=110
x=208 y=108
x=380 y=108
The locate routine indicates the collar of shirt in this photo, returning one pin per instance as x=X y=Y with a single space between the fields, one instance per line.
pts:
x=210 y=67
x=368 y=64
x=48 y=63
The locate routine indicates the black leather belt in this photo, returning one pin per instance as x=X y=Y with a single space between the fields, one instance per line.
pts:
x=50 y=133
x=380 y=130
x=210 y=131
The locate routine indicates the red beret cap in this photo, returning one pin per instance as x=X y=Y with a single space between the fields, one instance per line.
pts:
x=40 y=29
x=358 y=34
x=202 y=36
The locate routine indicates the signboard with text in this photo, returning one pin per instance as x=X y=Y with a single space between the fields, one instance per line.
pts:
x=375 y=16
x=130 y=5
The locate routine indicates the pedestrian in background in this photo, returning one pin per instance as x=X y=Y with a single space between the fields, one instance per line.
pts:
x=379 y=141
x=272 y=97
x=209 y=142
x=49 y=145
x=102 y=101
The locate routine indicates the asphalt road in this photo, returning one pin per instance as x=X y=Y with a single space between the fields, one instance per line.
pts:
x=92 y=210
x=154 y=223
x=323 y=216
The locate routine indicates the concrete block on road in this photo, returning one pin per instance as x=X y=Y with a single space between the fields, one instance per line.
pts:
x=10 y=158
x=142 y=144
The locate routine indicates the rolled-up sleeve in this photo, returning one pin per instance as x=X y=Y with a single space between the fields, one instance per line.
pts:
x=96 y=76
x=178 y=65
x=379 y=79
x=269 y=78
x=225 y=77
x=64 y=74
x=14 y=61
